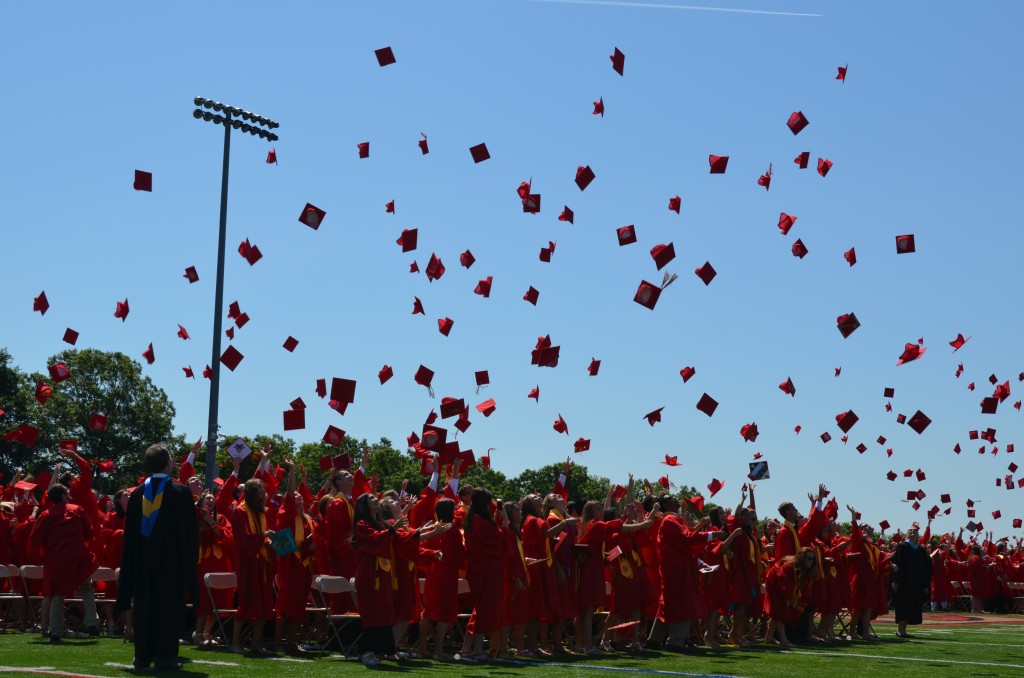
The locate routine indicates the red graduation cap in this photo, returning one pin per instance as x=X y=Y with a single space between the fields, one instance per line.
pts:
x=996 y=515
x=343 y=390
x=531 y=203
x=675 y=203
x=59 y=372
x=312 y=216
x=787 y=387
x=544 y=354
x=1017 y=522
x=272 y=156
x=840 y=369
x=824 y=165
x=846 y=420
x=294 y=419
x=958 y=343
x=40 y=304
x=584 y=175
x=647 y=294
x=715 y=486
x=479 y=153
x=664 y=482
x=230 y=358
x=98 y=422
x=992 y=379
x=687 y=372
x=599 y=107
x=884 y=525
x=546 y=252
x=888 y=392
x=483 y=288
x=847 y=324
x=749 y=432
x=434 y=437
x=482 y=378
x=535 y=393
x=435 y=269
x=423 y=376
x=880 y=440
x=531 y=295
x=910 y=353
x=452 y=407
x=143 y=181
x=298 y=404
x=364 y=149
x=463 y=423
x=581 y=445
x=70 y=336
x=486 y=407
x=718 y=163
x=970 y=386
x=385 y=56
x=43 y=392
x=321 y=388
x=385 y=373
x=891 y=476
x=188 y=372
x=905 y=244
x=566 y=214
x=707 y=404
x=407 y=241
x=695 y=503
x=706 y=273
x=105 y=466
x=234 y=310
x=653 y=417
x=919 y=422
x=26 y=434
x=417 y=306
x=799 y=249
x=560 y=425
x=122 y=310
x=802 y=159
x=842 y=73
x=1002 y=391
x=888 y=407
x=626 y=235
x=422 y=143
x=207 y=372
x=766 y=178
x=249 y=252
x=671 y=461
x=797 y=121
x=618 y=61
x=920 y=475
x=444 y=325
x=851 y=256
x=467 y=259
x=662 y=254
x=182 y=333
x=989 y=405
x=241 y=320
x=149 y=355
x=595 y=365
x=191 y=274
x=389 y=208
x=290 y=343
x=786 y=222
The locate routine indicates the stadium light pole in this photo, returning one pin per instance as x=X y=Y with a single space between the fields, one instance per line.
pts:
x=257 y=125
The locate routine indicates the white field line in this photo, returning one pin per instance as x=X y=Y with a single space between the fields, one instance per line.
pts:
x=956 y=662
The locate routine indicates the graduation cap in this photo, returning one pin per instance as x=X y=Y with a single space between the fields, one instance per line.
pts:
x=364 y=149
x=231 y=358
x=626 y=235
x=989 y=405
x=595 y=365
x=312 y=216
x=188 y=372
x=249 y=252
x=799 y=249
x=888 y=392
x=191 y=274
x=272 y=156
x=891 y=476
x=766 y=178
x=531 y=295
x=706 y=273
x=40 y=303
x=802 y=159
x=862 y=448
x=581 y=445
x=663 y=254
x=122 y=310
x=26 y=434
x=675 y=203
x=385 y=373
x=847 y=324
x=687 y=372
x=695 y=503
x=434 y=437
x=422 y=143
x=846 y=420
x=98 y=422
x=599 y=107
x=1002 y=391
x=531 y=203
x=670 y=461
x=824 y=165
x=435 y=269
x=959 y=342
x=758 y=470
x=905 y=244
x=715 y=486
x=910 y=353
x=618 y=61
x=385 y=56
x=566 y=214
x=444 y=325
x=59 y=372
x=43 y=392
x=534 y=393
x=417 y=306
x=786 y=222
x=718 y=163
x=452 y=407
x=749 y=432
x=149 y=355
x=787 y=387
x=407 y=241
x=653 y=417
x=143 y=181
x=424 y=376
x=546 y=252
x=467 y=259
x=842 y=73
x=707 y=404
x=207 y=372
x=919 y=422
x=880 y=440
x=479 y=153
x=851 y=256
x=584 y=175
x=544 y=354
x=560 y=425
x=294 y=419
x=797 y=121
x=71 y=337
x=486 y=407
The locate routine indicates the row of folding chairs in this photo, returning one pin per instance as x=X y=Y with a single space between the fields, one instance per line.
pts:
x=18 y=579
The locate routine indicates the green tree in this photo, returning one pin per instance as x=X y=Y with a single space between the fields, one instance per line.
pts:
x=542 y=480
x=16 y=399
x=109 y=383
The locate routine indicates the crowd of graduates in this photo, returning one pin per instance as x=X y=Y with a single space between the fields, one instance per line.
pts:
x=542 y=571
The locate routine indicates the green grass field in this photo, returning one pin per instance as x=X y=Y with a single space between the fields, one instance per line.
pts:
x=973 y=649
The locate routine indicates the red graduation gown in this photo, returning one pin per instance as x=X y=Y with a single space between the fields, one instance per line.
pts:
x=485 y=553
x=678 y=548
x=376 y=583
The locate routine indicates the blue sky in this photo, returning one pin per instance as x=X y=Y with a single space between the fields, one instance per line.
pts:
x=924 y=134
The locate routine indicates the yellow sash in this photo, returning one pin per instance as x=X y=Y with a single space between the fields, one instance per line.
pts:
x=522 y=557
x=265 y=550
x=796 y=537
x=300 y=536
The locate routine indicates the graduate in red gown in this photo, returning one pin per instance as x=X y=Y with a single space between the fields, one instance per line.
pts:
x=517 y=583
x=862 y=561
x=111 y=548
x=485 y=555
x=216 y=553
x=746 y=569
x=628 y=574
x=254 y=564
x=787 y=587
x=339 y=521
x=563 y=550
x=294 y=570
x=441 y=589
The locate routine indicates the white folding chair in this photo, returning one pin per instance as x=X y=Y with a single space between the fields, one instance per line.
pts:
x=214 y=581
x=327 y=586
x=104 y=575
x=32 y=573
x=9 y=599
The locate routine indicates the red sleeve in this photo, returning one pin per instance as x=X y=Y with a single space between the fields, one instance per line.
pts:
x=286 y=514
x=372 y=542
x=360 y=484
x=84 y=473
x=226 y=495
x=813 y=525
x=423 y=509
x=185 y=471
x=560 y=489
x=307 y=496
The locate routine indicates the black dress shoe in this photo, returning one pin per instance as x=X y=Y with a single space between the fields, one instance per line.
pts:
x=92 y=631
x=56 y=640
x=167 y=666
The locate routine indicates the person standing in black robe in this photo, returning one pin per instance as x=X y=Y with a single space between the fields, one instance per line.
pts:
x=158 y=567
x=911 y=576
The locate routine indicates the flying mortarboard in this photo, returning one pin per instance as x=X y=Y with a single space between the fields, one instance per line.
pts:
x=566 y=214
x=989 y=405
x=407 y=241
x=824 y=165
x=294 y=419
x=40 y=303
x=122 y=310
x=59 y=372
x=483 y=288
x=70 y=336
x=385 y=56
x=799 y=249
x=452 y=407
x=191 y=274
x=919 y=422
x=707 y=404
x=787 y=387
x=706 y=273
x=626 y=235
x=718 y=163
x=846 y=420
x=847 y=324
x=467 y=259
x=687 y=372
x=663 y=254
x=584 y=175
x=797 y=121
x=595 y=365
x=26 y=434
x=486 y=407
x=749 y=432
x=618 y=61
x=231 y=358
x=842 y=73
x=786 y=222
x=422 y=143
x=599 y=107
x=249 y=252
x=143 y=181
x=149 y=355
x=670 y=461
x=531 y=295
x=272 y=156
x=653 y=417
x=675 y=203
x=851 y=256
x=385 y=373
x=758 y=470
x=560 y=426
x=715 y=486
x=312 y=216
x=479 y=153
x=364 y=149
x=435 y=269
x=802 y=159
x=910 y=353
x=444 y=325
x=581 y=445
x=905 y=244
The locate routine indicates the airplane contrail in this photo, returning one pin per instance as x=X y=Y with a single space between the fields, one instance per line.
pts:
x=694 y=8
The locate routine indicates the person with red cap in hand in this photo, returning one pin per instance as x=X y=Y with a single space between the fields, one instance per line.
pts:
x=864 y=562
x=787 y=586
